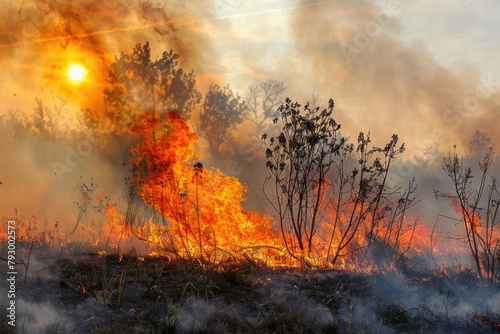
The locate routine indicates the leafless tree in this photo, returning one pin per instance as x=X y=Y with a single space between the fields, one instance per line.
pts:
x=262 y=101
x=298 y=161
x=317 y=180
x=366 y=210
x=479 y=143
x=478 y=204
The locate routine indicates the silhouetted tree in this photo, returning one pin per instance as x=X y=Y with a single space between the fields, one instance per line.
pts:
x=298 y=160
x=262 y=101
x=138 y=84
x=14 y=125
x=479 y=143
x=317 y=179
x=44 y=122
x=478 y=207
x=222 y=111
x=49 y=123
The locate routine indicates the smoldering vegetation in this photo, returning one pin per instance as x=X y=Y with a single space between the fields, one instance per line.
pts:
x=82 y=270
x=246 y=299
x=80 y=292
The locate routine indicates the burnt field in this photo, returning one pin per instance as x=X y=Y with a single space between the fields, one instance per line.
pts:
x=241 y=166
x=111 y=293
x=338 y=249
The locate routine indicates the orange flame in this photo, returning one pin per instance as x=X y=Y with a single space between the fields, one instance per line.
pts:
x=202 y=207
x=114 y=231
x=202 y=218
x=471 y=217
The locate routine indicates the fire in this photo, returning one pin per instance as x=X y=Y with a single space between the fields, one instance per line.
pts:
x=199 y=215
x=114 y=231
x=471 y=217
x=202 y=207
x=204 y=219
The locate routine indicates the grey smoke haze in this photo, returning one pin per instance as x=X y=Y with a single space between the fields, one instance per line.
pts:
x=354 y=51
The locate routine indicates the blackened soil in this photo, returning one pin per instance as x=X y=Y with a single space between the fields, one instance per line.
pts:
x=129 y=294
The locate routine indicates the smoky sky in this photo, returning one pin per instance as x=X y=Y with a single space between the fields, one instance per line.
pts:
x=38 y=41
x=381 y=83
x=40 y=38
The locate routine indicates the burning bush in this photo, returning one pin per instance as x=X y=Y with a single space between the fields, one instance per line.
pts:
x=331 y=197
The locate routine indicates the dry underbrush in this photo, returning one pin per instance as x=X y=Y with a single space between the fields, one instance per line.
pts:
x=96 y=293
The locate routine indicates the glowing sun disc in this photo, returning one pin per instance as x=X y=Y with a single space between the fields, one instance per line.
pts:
x=76 y=72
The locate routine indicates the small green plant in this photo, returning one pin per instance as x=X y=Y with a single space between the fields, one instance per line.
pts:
x=158 y=272
x=171 y=319
x=151 y=280
x=148 y=281
x=241 y=277
x=121 y=284
x=103 y=297
x=246 y=276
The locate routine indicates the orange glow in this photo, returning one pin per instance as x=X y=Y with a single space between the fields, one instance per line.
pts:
x=203 y=209
x=470 y=217
x=76 y=73
x=199 y=216
x=114 y=231
x=204 y=218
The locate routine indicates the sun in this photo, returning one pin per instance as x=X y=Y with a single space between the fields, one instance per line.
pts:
x=76 y=73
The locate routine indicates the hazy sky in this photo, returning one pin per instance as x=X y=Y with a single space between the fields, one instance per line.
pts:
x=426 y=70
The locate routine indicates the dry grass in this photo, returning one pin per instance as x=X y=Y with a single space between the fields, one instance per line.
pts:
x=153 y=295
